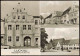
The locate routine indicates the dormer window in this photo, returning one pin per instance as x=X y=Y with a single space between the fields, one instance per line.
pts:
x=13 y=8
x=23 y=17
x=14 y=17
x=18 y=17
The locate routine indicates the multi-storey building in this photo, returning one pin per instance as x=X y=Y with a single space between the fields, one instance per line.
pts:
x=2 y=32
x=74 y=14
x=55 y=18
x=22 y=29
x=68 y=16
x=71 y=15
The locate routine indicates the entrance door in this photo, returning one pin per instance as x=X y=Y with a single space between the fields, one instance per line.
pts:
x=27 y=41
x=36 y=41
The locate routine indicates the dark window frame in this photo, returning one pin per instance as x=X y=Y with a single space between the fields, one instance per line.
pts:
x=17 y=27
x=24 y=27
x=23 y=17
x=9 y=38
x=18 y=17
x=9 y=27
x=17 y=38
x=36 y=22
x=29 y=27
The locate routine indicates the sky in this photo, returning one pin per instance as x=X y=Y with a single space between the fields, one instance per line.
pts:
x=36 y=7
x=67 y=33
x=51 y=6
x=32 y=7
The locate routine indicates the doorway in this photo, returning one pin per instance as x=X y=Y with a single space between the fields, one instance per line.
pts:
x=27 y=41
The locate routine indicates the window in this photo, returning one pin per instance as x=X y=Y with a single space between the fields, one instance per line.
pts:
x=24 y=27
x=36 y=41
x=14 y=17
x=17 y=27
x=1 y=36
x=9 y=27
x=64 y=20
x=36 y=22
x=17 y=10
x=18 y=17
x=39 y=22
x=20 y=10
x=29 y=27
x=23 y=17
x=9 y=38
x=17 y=38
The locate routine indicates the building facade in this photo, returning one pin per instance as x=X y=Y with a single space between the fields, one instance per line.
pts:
x=71 y=15
x=55 y=18
x=68 y=44
x=68 y=16
x=22 y=29
x=71 y=44
x=59 y=44
x=2 y=32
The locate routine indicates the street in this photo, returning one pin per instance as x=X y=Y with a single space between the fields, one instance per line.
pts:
x=24 y=47
x=60 y=25
x=59 y=52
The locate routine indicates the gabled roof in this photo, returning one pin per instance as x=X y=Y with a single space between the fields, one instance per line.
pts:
x=74 y=41
x=66 y=42
x=66 y=11
x=61 y=41
x=36 y=16
x=49 y=16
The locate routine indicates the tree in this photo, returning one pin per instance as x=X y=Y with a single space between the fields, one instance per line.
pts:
x=44 y=36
